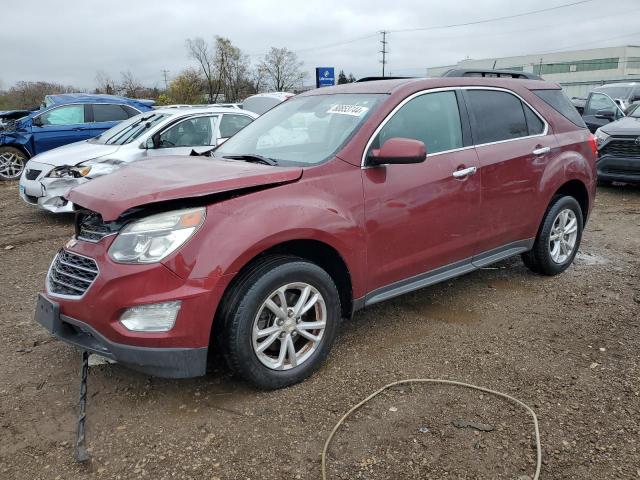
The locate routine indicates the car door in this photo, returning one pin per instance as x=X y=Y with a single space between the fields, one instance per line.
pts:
x=514 y=144
x=422 y=217
x=193 y=133
x=60 y=126
x=106 y=115
x=230 y=124
x=599 y=110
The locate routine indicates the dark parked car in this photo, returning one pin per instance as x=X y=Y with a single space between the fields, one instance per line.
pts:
x=334 y=200
x=609 y=103
x=619 y=150
x=63 y=119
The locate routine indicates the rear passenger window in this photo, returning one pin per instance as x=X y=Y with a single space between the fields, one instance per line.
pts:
x=232 y=124
x=499 y=116
x=535 y=126
x=432 y=118
x=109 y=113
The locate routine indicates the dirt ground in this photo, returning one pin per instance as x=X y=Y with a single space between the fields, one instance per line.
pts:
x=567 y=346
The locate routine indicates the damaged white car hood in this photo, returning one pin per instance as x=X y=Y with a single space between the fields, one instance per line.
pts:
x=75 y=153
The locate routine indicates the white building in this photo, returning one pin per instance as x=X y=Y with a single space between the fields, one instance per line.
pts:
x=577 y=71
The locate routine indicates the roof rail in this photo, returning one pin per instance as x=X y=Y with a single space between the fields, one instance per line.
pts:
x=479 y=72
x=373 y=79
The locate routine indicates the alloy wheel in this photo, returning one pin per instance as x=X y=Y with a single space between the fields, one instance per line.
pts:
x=562 y=239
x=11 y=165
x=289 y=326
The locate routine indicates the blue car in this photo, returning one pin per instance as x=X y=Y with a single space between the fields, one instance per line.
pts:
x=62 y=119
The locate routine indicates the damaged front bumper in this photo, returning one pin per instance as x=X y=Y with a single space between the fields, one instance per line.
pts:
x=45 y=192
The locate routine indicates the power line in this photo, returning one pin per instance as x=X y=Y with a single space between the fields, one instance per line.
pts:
x=494 y=19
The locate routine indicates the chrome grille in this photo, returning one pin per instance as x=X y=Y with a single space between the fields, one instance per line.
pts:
x=71 y=274
x=621 y=148
x=32 y=174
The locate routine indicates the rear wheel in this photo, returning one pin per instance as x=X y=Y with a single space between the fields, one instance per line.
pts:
x=12 y=162
x=281 y=319
x=559 y=238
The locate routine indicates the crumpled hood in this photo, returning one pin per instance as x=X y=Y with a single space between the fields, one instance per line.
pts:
x=75 y=153
x=172 y=178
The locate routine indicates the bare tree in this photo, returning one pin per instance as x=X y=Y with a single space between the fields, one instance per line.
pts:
x=105 y=84
x=206 y=58
x=282 y=69
x=234 y=69
x=31 y=94
x=130 y=86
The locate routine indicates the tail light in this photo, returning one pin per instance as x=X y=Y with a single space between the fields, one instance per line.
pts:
x=593 y=144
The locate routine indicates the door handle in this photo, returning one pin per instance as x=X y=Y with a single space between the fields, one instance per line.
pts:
x=541 y=151
x=465 y=172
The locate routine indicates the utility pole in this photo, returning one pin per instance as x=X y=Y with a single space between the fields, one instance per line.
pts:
x=166 y=82
x=384 y=49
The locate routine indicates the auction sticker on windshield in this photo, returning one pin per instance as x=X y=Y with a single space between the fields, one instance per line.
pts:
x=354 y=110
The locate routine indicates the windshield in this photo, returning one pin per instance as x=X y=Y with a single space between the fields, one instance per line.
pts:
x=129 y=130
x=615 y=92
x=303 y=130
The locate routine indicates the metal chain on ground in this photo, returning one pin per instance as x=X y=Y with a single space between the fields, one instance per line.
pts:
x=81 y=453
x=446 y=382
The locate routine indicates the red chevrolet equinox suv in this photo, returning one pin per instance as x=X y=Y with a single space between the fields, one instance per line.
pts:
x=336 y=199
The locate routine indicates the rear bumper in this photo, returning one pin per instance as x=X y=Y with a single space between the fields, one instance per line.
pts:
x=161 y=362
x=619 y=169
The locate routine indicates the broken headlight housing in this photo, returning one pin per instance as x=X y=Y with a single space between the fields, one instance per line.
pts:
x=155 y=237
x=68 y=172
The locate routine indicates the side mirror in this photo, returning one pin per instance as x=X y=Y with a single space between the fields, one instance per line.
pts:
x=606 y=114
x=36 y=121
x=398 y=151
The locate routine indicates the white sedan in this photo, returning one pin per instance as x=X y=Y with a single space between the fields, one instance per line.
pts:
x=173 y=131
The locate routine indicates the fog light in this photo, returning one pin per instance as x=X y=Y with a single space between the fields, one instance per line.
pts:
x=156 y=317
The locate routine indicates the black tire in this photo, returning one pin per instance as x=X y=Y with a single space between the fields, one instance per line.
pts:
x=12 y=162
x=539 y=259
x=240 y=308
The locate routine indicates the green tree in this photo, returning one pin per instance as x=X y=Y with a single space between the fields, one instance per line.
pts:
x=351 y=78
x=342 y=78
x=188 y=88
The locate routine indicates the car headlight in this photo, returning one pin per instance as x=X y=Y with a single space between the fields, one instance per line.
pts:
x=601 y=137
x=67 y=171
x=95 y=169
x=155 y=237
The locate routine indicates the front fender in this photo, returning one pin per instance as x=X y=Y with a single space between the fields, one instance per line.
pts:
x=19 y=139
x=328 y=210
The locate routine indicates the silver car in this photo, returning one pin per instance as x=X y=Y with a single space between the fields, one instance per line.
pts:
x=173 y=131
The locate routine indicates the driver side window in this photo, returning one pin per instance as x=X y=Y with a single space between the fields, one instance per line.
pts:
x=432 y=118
x=67 y=115
x=192 y=132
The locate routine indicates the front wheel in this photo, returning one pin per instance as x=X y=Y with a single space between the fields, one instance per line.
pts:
x=280 y=321
x=12 y=162
x=559 y=238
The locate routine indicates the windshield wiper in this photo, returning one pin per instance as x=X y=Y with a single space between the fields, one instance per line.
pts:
x=252 y=157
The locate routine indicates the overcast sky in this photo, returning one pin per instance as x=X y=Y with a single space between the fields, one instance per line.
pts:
x=69 y=41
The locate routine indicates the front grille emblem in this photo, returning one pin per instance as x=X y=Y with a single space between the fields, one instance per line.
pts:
x=637 y=141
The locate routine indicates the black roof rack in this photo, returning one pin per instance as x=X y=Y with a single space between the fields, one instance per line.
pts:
x=478 y=72
x=372 y=79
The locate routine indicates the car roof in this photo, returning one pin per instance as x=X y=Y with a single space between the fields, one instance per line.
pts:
x=60 y=98
x=183 y=111
x=409 y=85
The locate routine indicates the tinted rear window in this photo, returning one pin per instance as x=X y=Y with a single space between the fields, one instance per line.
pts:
x=499 y=116
x=560 y=103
